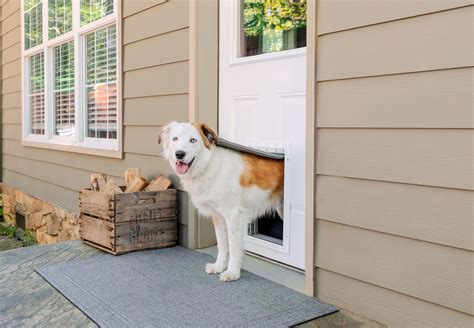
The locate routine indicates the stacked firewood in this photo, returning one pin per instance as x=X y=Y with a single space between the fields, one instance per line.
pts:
x=134 y=182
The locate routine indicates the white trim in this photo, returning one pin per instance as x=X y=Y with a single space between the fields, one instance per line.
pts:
x=79 y=142
x=236 y=60
x=255 y=244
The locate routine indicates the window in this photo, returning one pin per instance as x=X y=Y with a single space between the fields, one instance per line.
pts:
x=271 y=26
x=70 y=64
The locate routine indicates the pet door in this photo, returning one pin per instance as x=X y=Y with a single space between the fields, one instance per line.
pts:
x=269 y=227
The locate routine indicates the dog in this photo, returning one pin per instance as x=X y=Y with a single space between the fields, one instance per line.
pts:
x=230 y=187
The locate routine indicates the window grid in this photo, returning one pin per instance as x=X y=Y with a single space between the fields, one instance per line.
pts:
x=59 y=17
x=101 y=83
x=92 y=10
x=36 y=94
x=73 y=108
x=64 y=89
x=33 y=16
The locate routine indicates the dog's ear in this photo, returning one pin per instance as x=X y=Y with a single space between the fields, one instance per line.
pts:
x=208 y=135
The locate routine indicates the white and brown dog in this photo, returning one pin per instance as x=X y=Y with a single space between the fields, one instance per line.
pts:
x=230 y=187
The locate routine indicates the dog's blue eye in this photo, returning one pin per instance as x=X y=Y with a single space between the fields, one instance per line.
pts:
x=192 y=140
x=175 y=138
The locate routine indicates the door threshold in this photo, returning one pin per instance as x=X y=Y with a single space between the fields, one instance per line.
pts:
x=275 y=271
x=266 y=259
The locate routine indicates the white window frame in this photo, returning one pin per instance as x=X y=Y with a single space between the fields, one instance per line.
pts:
x=80 y=142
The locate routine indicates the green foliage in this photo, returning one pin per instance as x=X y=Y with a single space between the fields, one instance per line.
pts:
x=278 y=15
x=59 y=17
x=9 y=231
x=33 y=23
x=28 y=238
x=92 y=10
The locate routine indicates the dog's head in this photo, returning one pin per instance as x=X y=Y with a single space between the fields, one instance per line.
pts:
x=187 y=146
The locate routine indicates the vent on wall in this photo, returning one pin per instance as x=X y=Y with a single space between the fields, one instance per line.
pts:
x=20 y=221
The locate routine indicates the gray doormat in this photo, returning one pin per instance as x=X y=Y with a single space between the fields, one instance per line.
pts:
x=169 y=288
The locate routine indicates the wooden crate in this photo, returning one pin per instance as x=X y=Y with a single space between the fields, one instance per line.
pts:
x=126 y=222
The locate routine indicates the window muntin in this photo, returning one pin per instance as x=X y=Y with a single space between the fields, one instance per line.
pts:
x=36 y=93
x=92 y=10
x=70 y=73
x=101 y=83
x=64 y=90
x=59 y=17
x=33 y=23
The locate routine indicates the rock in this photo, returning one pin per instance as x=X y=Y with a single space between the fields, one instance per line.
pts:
x=72 y=218
x=32 y=204
x=19 y=199
x=34 y=221
x=52 y=224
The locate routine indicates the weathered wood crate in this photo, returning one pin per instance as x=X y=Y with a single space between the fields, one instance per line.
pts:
x=126 y=222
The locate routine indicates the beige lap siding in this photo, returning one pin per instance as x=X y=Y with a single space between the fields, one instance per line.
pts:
x=395 y=154
x=56 y=176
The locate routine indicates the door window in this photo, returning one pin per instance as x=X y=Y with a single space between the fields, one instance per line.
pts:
x=271 y=26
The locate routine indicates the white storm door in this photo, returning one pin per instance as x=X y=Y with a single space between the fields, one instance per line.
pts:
x=262 y=101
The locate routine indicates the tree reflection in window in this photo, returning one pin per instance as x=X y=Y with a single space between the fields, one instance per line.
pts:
x=272 y=26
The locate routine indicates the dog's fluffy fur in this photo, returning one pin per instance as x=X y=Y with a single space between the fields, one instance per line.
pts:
x=230 y=187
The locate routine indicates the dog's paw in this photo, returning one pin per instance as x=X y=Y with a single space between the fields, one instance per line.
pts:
x=229 y=276
x=214 y=268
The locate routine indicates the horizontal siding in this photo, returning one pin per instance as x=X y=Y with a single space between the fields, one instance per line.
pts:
x=67 y=177
x=11 y=69
x=11 y=53
x=157 y=80
x=10 y=8
x=156 y=110
x=142 y=140
x=134 y=6
x=169 y=16
x=11 y=38
x=387 y=49
x=438 y=215
x=341 y=15
x=429 y=157
x=11 y=116
x=436 y=99
x=111 y=166
x=11 y=22
x=144 y=53
x=398 y=264
x=43 y=189
x=12 y=100
x=394 y=197
x=383 y=305
x=12 y=84
x=11 y=131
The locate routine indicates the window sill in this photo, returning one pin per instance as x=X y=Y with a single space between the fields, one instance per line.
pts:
x=97 y=149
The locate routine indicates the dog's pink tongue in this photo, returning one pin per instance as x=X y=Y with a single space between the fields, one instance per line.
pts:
x=181 y=168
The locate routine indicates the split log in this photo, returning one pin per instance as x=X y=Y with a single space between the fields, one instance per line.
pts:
x=130 y=174
x=98 y=181
x=137 y=184
x=159 y=183
x=111 y=187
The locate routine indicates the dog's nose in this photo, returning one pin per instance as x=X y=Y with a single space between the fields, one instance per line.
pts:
x=180 y=154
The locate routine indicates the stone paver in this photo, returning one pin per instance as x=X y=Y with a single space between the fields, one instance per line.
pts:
x=9 y=243
x=26 y=300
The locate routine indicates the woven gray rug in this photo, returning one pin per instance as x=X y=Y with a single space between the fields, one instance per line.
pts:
x=169 y=288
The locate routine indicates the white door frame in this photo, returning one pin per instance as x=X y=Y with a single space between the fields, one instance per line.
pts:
x=203 y=105
x=231 y=11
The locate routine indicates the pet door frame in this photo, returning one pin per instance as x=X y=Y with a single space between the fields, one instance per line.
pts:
x=256 y=244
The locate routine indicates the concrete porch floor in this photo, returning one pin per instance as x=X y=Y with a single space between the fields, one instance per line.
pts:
x=27 y=300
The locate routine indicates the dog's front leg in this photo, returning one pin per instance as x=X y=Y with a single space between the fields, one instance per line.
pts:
x=222 y=246
x=236 y=229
